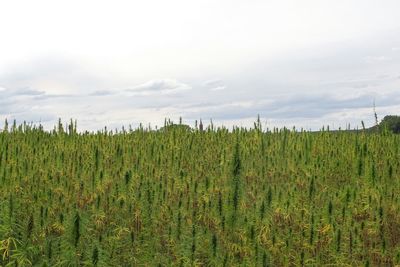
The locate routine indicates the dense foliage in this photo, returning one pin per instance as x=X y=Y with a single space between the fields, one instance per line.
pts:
x=391 y=123
x=211 y=197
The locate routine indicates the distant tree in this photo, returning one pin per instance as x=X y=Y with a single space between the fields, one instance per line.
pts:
x=391 y=123
x=183 y=127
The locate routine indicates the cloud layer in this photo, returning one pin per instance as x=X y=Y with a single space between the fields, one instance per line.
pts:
x=153 y=101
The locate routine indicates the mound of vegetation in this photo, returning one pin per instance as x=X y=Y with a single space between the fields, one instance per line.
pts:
x=391 y=123
x=198 y=198
x=179 y=127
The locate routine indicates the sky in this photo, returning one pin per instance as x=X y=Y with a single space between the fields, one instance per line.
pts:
x=308 y=63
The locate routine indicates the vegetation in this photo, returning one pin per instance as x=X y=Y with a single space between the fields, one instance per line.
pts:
x=200 y=197
x=391 y=123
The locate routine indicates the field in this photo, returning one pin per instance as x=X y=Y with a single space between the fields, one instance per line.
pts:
x=179 y=197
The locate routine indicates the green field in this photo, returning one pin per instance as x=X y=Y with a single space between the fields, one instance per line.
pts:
x=181 y=197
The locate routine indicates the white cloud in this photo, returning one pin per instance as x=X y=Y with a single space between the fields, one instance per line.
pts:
x=212 y=82
x=214 y=85
x=163 y=86
x=102 y=93
x=372 y=59
x=218 y=88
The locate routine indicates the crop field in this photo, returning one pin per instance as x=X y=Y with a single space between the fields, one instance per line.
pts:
x=212 y=197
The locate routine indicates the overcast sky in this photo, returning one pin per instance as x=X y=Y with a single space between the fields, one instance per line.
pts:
x=307 y=63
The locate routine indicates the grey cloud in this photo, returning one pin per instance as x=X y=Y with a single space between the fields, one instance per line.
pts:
x=12 y=101
x=20 y=92
x=28 y=92
x=292 y=107
x=27 y=104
